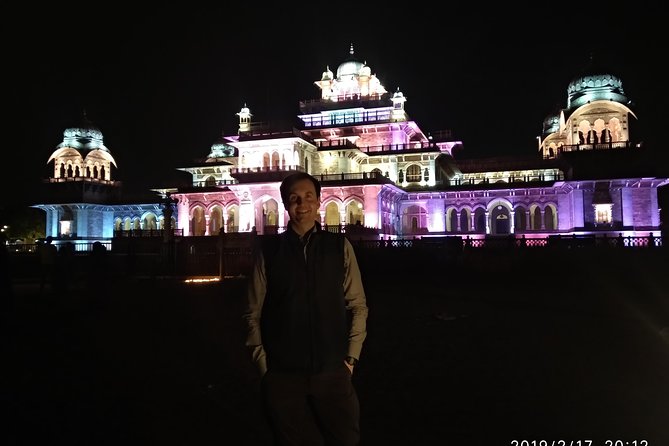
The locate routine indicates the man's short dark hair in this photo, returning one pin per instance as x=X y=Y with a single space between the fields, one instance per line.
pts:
x=291 y=179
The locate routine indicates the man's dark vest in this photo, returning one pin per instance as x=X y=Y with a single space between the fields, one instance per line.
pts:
x=304 y=322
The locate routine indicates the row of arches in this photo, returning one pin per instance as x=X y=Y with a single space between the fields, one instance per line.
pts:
x=70 y=170
x=273 y=159
x=532 y=218
x=148 y=221
x=497 y=220
x=502 y=218
x=600 y=131
x=210 y=220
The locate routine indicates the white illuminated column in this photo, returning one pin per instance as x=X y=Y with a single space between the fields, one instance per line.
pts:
x=246 y=218
x=371 y=206
x=282 y=213
x=183 y=214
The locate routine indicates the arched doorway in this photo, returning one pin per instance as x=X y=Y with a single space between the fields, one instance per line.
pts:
x=233 y=219
x=215 y=220
x=414 y=220
x=332 y=218
x=354 y=214
x=500 y=219
x=197 y=222
x=270 y=212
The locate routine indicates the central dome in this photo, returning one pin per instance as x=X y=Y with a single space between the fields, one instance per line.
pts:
x=350 y=67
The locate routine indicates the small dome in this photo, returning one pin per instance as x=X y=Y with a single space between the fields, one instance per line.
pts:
x=245 y=112
x=84 y=137
x=551 y=124
x=221 y=150
x=398 y=94
x=365 y=70
x=595 y=83
x=327 y=75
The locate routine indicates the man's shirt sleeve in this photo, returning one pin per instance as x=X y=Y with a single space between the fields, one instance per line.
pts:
x=356 y=301
x=255 y=298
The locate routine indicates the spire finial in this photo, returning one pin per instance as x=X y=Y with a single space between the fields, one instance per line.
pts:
x=351 y=50
x=84 y=117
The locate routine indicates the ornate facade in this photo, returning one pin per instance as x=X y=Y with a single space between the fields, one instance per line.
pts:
x=381 y=171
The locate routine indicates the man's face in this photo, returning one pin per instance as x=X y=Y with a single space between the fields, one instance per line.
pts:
x=303 y=205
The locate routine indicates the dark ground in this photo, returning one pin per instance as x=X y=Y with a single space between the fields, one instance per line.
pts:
x=570 y=351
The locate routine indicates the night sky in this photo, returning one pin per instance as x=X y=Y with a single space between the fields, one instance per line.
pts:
x=163 y=85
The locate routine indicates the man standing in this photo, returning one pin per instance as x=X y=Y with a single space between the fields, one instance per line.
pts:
x=304 y=283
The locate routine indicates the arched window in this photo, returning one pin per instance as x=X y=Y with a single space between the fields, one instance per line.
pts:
x=479 y=220
x=198 y=222
x=332 y=217
x=354 y=214
x=520 y=219
x=414 y=220
x=413 y=173
x=549 y=218
x=451 y=220
x=270 y=211
x=536 y=219
x=150 y=222
x=215 y=220
x=615 y=129
x=233 y=219
x=464 y=220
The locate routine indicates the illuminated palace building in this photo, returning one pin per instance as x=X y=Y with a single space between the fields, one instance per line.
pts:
x=380 y=170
